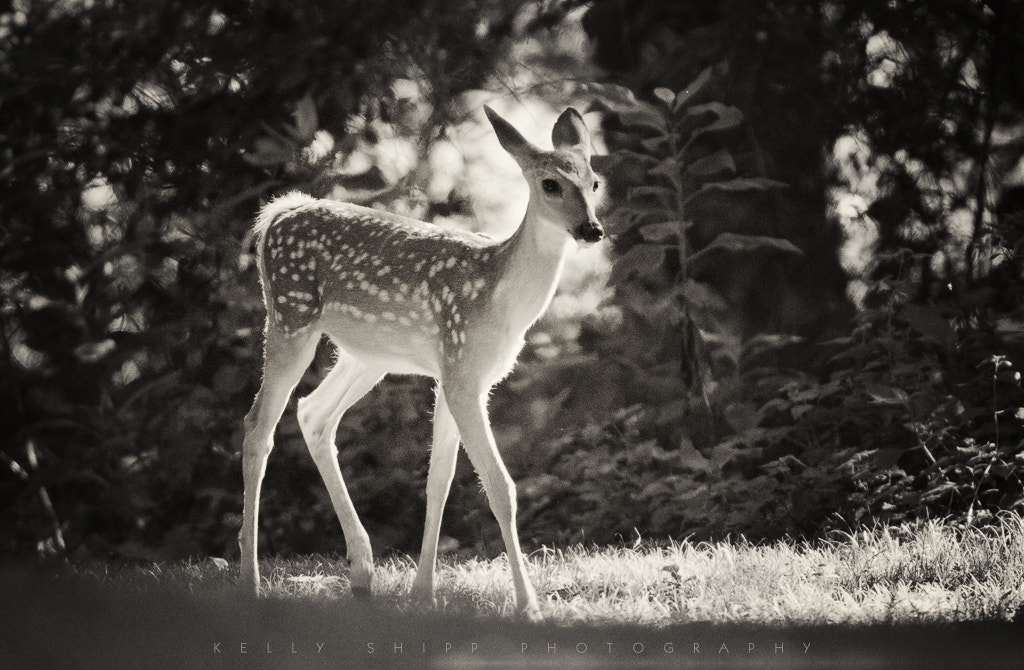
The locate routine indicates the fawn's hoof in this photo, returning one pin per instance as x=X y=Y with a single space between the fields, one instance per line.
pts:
x=249 y=586
x=423 y=598
x=531 y=614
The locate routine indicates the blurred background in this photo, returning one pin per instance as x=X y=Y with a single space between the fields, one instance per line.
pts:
x=808 y=316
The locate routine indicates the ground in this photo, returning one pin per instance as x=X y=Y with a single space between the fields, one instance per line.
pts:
x=926 y=595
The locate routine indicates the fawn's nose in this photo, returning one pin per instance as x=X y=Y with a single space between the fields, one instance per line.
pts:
x=590 y=231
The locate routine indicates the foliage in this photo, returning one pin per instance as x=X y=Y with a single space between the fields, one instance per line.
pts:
x=692 y=239
x=716 y=392
x=137 y=140
x=692 y=231
x=609 y=486
x=912 y=444
x=914 y=413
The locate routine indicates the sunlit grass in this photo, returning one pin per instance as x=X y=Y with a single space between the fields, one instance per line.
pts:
x=927 y=573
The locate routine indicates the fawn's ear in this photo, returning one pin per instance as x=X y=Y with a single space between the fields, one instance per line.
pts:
x=511 y=139
x=571 y=133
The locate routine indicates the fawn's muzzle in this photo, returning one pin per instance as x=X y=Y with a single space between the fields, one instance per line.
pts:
x=591 y=231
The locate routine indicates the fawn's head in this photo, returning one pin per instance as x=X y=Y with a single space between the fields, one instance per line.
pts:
x=562 y=183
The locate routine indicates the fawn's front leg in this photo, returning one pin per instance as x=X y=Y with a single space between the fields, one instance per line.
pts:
x=469 y=407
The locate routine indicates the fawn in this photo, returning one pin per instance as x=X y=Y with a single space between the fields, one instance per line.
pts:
x=403 y=296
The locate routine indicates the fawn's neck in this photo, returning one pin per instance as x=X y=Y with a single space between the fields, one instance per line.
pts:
x=529 y=264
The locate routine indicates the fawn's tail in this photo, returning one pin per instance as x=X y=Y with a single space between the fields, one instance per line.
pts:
x=277 y=208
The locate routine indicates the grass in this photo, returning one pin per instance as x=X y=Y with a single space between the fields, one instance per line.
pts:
x=928 y=573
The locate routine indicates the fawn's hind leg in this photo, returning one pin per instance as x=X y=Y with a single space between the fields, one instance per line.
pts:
x=319 y=414
x=285 y=359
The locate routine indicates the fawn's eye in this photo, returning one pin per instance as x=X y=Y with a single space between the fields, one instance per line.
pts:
x=596 y=184
x=550 y=186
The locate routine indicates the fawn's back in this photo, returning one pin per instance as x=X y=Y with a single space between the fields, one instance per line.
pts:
x=386 y=288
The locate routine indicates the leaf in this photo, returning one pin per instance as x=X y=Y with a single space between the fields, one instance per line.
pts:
x=940 y=491
x=734 y=243
x=654 y=144
x=729 y=205
x=641 y=259
x=714 y=166
x=666 y=232
x=692 y=495
x=741 y=416
x=656 y=489
x=722 y=454
x=623 y=219
x=305 y=117
x=665 y=195
x=886 y=395
x=668 y=168
x=694 y=88
x=706 y=119
x=268 y=152
x=657 y=309
x=627 y=157
x=92 y=352
x=746 y=243
x=702 y=296
x=665 y=95
x=1001 y=470
x=690 y=458
x=646 y=118
x=768 y=342
x=798 y=411
x=742 y=184
x=613 y=98
x=783 y=466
